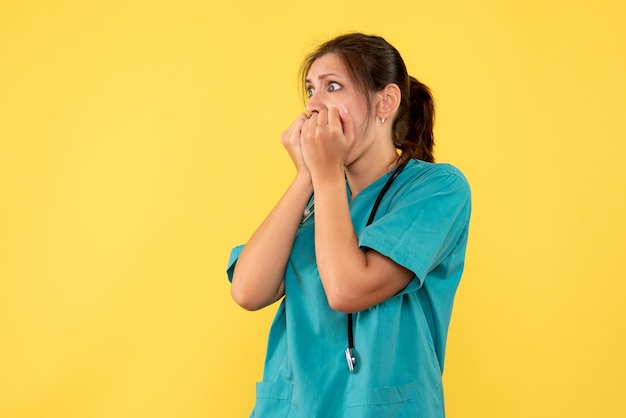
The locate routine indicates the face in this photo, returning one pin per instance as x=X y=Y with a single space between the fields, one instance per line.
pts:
x=328 y=84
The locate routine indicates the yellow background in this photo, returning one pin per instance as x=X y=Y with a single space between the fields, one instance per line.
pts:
x=139 y=143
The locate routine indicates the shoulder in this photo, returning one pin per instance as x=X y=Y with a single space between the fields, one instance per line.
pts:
x=434 y=176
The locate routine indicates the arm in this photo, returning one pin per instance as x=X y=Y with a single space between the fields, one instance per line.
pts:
x=353 y=279
x=258 y=274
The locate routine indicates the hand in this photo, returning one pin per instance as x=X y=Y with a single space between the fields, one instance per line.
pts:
x=327 y=137
x=292 y=142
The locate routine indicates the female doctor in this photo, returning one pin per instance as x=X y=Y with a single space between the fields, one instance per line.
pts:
x=366 y=245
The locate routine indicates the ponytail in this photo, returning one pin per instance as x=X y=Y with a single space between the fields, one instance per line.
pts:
x=416 y=124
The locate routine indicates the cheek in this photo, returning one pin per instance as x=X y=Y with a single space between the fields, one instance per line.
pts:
x=358 y=111
x=361 y=124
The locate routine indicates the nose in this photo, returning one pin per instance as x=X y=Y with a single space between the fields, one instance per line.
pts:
x=315 y=104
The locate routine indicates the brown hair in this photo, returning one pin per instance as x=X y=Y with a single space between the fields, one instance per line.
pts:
x=373 y=63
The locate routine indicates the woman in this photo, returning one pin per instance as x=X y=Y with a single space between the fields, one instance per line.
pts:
x=361 y=330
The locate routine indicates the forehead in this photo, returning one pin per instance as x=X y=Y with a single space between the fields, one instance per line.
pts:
x=327 y=64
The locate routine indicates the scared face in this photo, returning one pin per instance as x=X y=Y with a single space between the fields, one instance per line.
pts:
x=329 y=84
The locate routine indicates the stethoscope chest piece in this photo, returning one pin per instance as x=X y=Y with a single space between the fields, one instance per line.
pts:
x=350 y=359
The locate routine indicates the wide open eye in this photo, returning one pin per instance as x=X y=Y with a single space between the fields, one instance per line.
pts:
x=309 y=92
x=334 y=86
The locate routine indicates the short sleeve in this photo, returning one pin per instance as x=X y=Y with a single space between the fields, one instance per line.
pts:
x=232 y=260
x=424 y=223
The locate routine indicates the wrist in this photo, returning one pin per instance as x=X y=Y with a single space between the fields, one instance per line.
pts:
x=322 y=178
x=303 y=179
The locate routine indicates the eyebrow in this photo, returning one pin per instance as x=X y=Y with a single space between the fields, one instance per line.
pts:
x=323 y=76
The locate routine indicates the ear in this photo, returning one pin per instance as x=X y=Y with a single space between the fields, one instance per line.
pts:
x=389 y=100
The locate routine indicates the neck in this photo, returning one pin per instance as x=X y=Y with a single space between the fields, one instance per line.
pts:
x=361 y=174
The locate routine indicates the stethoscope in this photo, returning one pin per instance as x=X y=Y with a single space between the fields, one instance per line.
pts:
x=349 y=352
x=308 y=212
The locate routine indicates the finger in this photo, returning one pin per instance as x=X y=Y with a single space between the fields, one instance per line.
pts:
x=293 y=129
x=322 y=117
x=333 y=117
x=306 y=126
x=302 y=118
x=298 y=125
x=311 y=123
